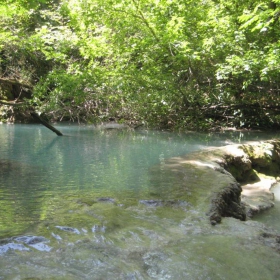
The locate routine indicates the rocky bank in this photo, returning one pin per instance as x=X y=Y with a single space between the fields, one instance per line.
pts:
x=230 y=181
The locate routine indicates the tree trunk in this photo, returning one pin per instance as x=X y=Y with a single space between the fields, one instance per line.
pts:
x=46 y=124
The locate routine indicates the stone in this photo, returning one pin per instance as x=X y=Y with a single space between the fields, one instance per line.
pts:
x=228 y=181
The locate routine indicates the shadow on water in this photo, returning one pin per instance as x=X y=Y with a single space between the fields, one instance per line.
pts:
x=97 y=205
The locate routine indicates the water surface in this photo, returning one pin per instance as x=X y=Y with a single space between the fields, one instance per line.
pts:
x=83 y=206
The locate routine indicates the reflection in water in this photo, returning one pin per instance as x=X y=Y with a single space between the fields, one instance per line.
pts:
x=83 y=206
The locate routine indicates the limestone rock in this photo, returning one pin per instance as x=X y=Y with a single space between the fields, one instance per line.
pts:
x=212 y=178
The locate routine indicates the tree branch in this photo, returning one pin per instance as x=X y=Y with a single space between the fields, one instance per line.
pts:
x=46 y=124
x=15 y=82
x=12 y=103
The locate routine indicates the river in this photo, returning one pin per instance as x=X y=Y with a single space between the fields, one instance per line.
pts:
x=83 y=206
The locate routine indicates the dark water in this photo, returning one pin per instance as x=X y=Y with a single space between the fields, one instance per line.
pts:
x=49 y=182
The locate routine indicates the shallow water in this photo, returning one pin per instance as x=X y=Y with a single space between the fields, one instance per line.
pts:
x=83 y=206
x=272 y=216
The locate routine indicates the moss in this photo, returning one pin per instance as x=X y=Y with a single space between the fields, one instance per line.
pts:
x=236 y=172
x=265 y=157
x=87 y=201
x=261 y=155
x=244 y=176
x=252 y=176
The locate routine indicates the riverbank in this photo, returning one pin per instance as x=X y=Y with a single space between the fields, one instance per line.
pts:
x=235 y=179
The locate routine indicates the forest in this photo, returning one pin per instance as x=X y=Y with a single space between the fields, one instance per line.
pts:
x=170 y=64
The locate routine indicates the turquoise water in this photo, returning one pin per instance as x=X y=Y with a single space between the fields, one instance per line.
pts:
x=84 y=195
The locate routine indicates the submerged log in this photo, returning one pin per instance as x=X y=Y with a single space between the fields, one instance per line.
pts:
x=46 y=124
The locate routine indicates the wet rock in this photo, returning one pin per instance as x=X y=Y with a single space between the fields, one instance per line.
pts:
x=215 y=218
x=238 y=165
x=176 y=203
x=106 y=199
x=68 y=229
x=245 y=163
x=166 y=203
x=227 y=204
x=12 y=246
x=264 y=156
x=41 y=247
x=31 y=240
x=257 y=197
x=36 y=242
x=154 y=265
x=86 y=201
x=212 y=176
x=56 y=236
x=210 y=189
x=260 y=154
x=98 y=228
x=153 y=203
x=271 y=240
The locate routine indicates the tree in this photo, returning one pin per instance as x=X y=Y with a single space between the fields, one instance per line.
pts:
x=163 y=63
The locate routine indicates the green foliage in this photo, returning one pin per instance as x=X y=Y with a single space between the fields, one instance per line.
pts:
x=163 y=63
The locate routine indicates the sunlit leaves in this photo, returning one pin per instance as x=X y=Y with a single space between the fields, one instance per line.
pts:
x=260 y=18
x=142 y=59
x=54 y=41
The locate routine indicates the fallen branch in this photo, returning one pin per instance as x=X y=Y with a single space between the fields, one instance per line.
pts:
x=46 y=124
